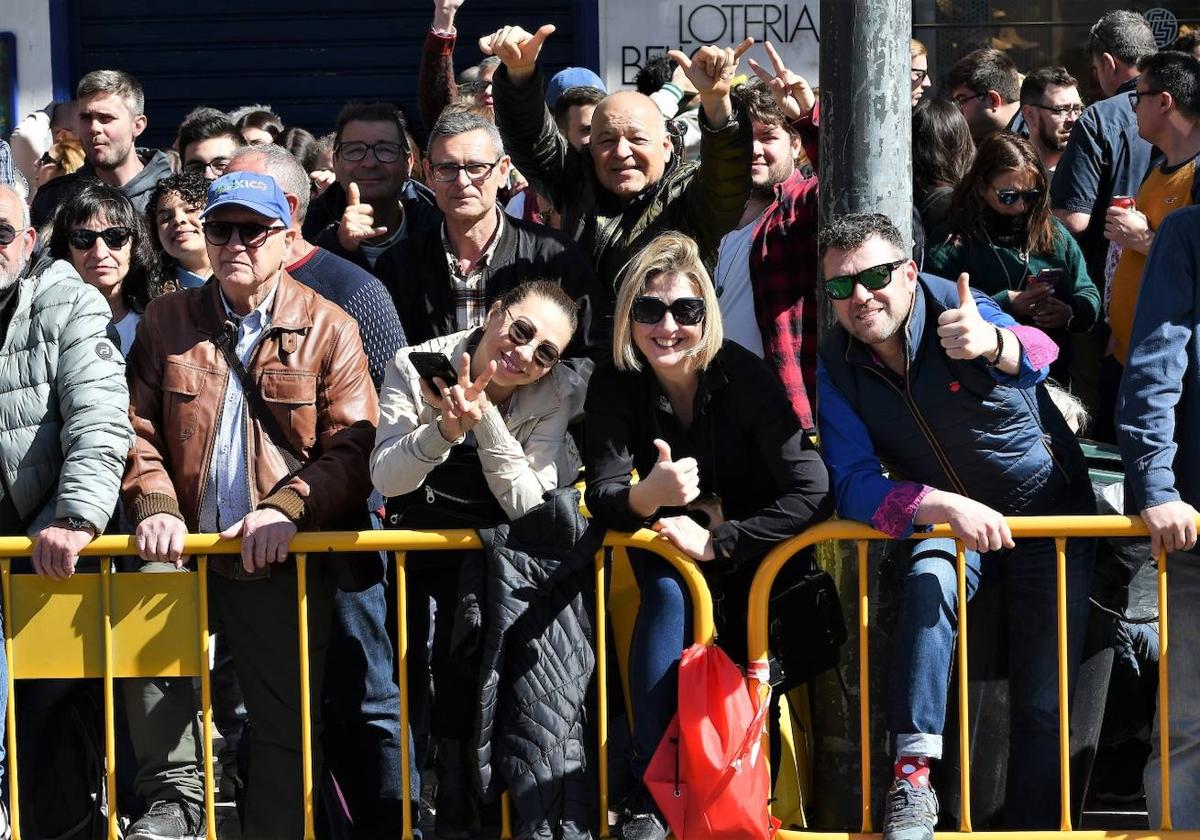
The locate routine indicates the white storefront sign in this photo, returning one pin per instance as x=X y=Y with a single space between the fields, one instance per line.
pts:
x=634 y=31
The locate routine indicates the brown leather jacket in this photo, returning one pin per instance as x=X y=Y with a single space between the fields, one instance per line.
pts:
x=311 y=372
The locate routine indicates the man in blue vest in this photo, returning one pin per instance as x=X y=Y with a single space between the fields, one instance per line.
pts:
x=942 y=386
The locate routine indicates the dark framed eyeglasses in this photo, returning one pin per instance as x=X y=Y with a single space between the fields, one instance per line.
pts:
x=447 y=172
x=251 y=234
x=1061 y=110
x=687 y=311
x=82 y=239
x=214 y=168
x=963 y=98
x=8 y=233
x=872 y=279
x=385 y=151
x=1136 y=96
x=919 y=74
x=48 y=160
x=1010 y=197
x=521 y=331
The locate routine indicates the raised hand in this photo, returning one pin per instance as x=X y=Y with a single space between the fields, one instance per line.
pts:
x=358 y=221
x=793 y=94
x=444 y=12
x=464 y=402
x=517 y=48
x=963 y=331
x=672 y=483
x=712 y=68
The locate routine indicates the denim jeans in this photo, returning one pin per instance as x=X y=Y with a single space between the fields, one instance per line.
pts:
x=1183 y=662
x=662 y=627
x=923 y=650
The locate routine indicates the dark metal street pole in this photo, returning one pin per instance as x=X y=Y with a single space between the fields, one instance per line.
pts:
x=866 y=167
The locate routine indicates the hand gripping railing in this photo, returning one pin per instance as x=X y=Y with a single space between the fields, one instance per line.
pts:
x=1058 y=528
x=110 y=626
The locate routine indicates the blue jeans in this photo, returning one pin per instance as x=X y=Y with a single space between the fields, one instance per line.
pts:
x=1183 y=662
x=662 y=627
x=923 y=649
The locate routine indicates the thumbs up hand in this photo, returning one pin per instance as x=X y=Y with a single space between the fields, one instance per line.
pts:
x=671 y=483
x=516 y=48
x=358 y=221
x=963 y=331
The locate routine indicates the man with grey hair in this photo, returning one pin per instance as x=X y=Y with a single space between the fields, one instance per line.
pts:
x=111 y=118
x=362 y=735
x=443 y=280
x=1105 y=157
x=65 y=406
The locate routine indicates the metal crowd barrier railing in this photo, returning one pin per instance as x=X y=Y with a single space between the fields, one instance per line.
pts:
x=111 y=625
x=1058 y=528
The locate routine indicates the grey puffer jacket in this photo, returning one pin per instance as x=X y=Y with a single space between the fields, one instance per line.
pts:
x=64 y=404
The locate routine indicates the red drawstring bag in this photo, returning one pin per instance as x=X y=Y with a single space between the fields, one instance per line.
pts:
x=709 y=776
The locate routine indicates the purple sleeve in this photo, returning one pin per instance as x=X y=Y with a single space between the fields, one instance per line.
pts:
x=895 y=513
x=1039 y=348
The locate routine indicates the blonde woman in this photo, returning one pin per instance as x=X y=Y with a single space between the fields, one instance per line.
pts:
x=726 y=472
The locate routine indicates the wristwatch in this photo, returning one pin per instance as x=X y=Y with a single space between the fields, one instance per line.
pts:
x=79 y=524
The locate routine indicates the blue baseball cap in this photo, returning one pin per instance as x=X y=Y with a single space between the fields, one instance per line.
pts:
x=569 y=78
x=251 y=190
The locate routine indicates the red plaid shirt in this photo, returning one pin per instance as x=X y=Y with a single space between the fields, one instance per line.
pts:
x=783 y=274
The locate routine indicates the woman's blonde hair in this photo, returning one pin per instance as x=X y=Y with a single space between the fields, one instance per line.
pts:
x=668 y=253
x=916 y=48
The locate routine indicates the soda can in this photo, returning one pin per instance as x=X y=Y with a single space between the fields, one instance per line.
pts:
x=1125 y=201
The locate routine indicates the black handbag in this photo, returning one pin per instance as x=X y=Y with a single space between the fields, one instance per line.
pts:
x=805 y=628
x=455 y=494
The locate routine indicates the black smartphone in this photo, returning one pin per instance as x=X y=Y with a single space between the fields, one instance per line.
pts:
x=429 y=365
x=1057 y=278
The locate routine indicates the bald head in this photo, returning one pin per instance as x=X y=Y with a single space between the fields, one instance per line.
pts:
x=629 y=143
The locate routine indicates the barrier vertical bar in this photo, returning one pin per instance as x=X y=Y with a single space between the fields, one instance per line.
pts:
x=1164 y=693
x=110 y=738
x=306 y=746
x=602 y=690
x=399 y=558
x=964 y=738
x=1064 y=704
x=864 y=685
x=206 y=722
x=14 y=810
x=505 y=817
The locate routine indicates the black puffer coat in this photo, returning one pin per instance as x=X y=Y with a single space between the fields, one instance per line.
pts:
x=535 y=632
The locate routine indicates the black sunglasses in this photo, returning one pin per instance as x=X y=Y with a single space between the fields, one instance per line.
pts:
x=1010 y=197
x=82 y=239
x=251 y=234
x=1135 y=96
x=7 y=234
x=872 y=279
x=687 y=311
x=521 y=332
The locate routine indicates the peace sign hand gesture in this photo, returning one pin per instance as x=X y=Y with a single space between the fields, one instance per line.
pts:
x=792 y=93
x=463 y=403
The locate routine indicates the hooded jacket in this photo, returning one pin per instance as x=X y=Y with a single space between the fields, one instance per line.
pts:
x=53 y=194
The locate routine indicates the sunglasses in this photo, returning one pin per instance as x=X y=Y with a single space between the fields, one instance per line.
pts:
x=47 y=160
x=251 y=234
x=1010 y=197
x=7 y=234
x=687 y=311
x=872 y=279
x=82 y=239
x=521 y=332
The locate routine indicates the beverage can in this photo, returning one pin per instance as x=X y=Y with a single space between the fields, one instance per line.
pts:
x=1125 y=201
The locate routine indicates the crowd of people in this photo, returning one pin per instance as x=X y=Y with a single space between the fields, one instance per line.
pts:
x=259 y=331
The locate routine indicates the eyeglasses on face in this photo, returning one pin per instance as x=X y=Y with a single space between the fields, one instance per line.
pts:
x=385 y=151
x=872 y=279
x=1061 y=110
x=214 y=168
x=1010 y=197
x=82 y=239
x=251 y=234
x=48 y=160
x=1136 y=96
x=919 y=75
x=687 y=311
x=963 y=98
x=8 y=234
x=521 y=331
x=447 y=172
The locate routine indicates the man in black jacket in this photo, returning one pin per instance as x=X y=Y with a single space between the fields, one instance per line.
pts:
x=445 y=278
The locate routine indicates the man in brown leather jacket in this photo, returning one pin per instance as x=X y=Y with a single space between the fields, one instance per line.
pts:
x=206 y=459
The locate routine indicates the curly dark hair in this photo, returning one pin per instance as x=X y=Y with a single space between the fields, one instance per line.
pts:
x=192 y=188
x=95 y=199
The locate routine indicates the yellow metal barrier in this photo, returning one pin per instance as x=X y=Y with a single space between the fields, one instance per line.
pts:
x=110 y=626
x=1058 y=528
